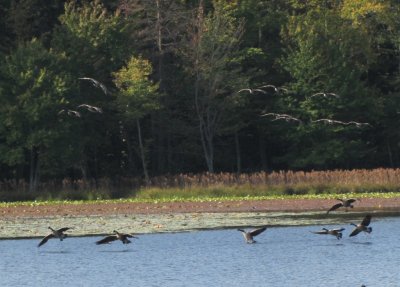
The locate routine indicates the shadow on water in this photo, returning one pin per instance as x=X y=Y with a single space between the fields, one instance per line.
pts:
x=55 y=251
x=117 y=251
x=362 y=243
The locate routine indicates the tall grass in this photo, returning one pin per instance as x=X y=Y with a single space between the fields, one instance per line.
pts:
x=212 y=185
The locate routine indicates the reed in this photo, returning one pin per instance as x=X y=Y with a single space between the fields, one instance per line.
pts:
x=212 y=185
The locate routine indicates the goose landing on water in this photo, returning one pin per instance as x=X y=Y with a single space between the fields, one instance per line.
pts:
x=59 y=233
x=248 y=235
x=343 y=203
x=363 y=226
x=117 y=236
x=334 y=232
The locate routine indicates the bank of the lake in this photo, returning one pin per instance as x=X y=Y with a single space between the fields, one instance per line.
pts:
x=31 y=220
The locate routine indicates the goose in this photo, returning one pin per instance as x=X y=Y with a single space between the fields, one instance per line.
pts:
x=275 y=88
x=363 y=226
x=325 y=95
x=117 y=236
x=90 y=108
x=96 y=83
x=285 y=117
x=248 y=235
x=343 y=203
x=331 y=122
x=334 y=232
x=70 y=113
x=59 y=233
x=251 y=91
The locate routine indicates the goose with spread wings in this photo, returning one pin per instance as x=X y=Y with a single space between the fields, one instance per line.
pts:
x=59 y=233
x=116 y=236
x=363 y=226
x=249 y=235
x=346 y=203
x=335 y=232
x=96 y=84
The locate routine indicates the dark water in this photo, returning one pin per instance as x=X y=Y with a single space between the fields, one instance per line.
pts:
x=284 y=256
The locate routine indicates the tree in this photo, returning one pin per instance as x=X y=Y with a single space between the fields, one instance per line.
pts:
x=35 y=88
x=211 y=46
x=326 y=53
x=137 y=98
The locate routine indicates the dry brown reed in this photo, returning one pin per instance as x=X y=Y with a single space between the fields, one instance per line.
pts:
x=345 y=178
x=380 y=176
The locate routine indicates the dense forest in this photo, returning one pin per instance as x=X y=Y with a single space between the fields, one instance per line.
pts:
x=139 y=88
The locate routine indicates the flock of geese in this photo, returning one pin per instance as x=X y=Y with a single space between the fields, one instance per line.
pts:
x=248 y=235
x=60 y=234
x=346 y=203
x=276 y=116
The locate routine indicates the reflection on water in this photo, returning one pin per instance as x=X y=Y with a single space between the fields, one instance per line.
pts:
x=284 y=256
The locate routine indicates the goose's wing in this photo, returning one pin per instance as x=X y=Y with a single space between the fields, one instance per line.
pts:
x=107 y=239
x=351 y=200
x=257 y=231
x=338 y=229
x=366 y=221
x=129 y=235
x=44 y=240
x=355 y=232
x=320 y=232
x=63 y=229
x=336 y=206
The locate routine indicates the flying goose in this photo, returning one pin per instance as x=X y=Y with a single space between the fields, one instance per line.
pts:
x=275 y=88
x=343 y=203
x=117 y=236
x=70 y=113
x=96 y=83
x=334 y=232
x=90 y=108
x=331 y=122
x=285 y=117
x=248 y=235
x=325 y=95
x=251 y=91
x=363 y=226
x=59 y=233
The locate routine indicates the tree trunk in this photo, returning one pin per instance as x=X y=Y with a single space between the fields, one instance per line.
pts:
x=33 y=170
x=238 y=156
x=142 y=152
x=263 y=154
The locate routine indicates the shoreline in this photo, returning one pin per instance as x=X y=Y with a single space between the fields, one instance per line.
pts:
x=23 y=221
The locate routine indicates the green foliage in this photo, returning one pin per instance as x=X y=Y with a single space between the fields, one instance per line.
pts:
x=203 y=53
x=35 y=89
x=138 y=95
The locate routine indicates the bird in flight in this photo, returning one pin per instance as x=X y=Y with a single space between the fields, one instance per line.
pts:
x=70 y=113
x=249 y=235
x=96 y=83
x=275 y=88
x=252 y=91
x=282 y=117
x=90 y=108
x=363 y=226
x=331 y=122
x=334 y=232
x=59 y=233
x=325 y=95
x=346 y=203
x=116 y=236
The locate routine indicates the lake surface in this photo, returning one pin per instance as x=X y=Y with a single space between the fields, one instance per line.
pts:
x=282 y=256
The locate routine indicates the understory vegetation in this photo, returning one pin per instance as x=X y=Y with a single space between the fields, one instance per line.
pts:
x=225 y=186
